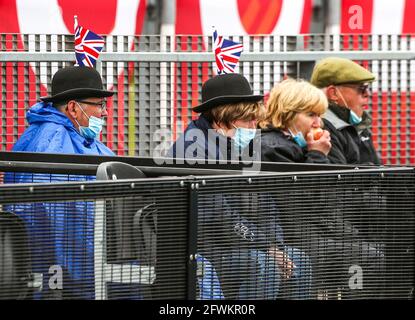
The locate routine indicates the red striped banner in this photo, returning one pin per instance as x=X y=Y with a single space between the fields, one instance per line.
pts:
x=412 y=127
x=375 y=119
x=110 y=123
x=385 y=125
x=9 y=97
x=184 y=87
x=1 y=101
x=20 y=98
x=195 y=77
x=32 y=88
x=393 y=128
x=120 y=115
x=404 y=154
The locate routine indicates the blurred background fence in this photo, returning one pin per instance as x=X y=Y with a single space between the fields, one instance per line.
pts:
x=349 y=233
x=158 y=79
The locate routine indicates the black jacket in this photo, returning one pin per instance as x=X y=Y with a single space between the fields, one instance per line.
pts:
x=204 y=145
x=350 y=144
x=276 y=146
x=231 y=225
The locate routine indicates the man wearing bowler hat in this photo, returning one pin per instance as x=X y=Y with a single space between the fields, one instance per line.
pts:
x=346 y=85
x=71 y=118
x=68 y=121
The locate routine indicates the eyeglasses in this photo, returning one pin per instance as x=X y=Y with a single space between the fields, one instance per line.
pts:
x=102 y=104
x=361 y=89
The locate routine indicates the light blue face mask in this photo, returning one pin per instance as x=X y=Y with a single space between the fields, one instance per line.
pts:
x=94 y=126
x=243 y=137
x=354 y=119
x=299 y=139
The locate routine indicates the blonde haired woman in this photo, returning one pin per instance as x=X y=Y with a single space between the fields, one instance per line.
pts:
x=294 y=110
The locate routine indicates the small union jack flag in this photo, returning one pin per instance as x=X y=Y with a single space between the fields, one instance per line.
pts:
x=88 y=45
x=227 y=53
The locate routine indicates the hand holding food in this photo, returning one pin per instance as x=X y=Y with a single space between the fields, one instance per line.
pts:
x=317 y=133
x=319 y=139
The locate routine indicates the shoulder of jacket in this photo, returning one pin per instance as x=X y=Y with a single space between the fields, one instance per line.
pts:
x=272 y=135
x=335 y=120
x=271 y=131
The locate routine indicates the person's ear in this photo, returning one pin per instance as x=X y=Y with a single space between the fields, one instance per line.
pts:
x=331 y=92
x=289 y=124
x=72 y=109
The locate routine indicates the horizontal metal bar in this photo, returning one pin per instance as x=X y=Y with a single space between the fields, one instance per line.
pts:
x=97 y=190
x=71 y=190
x=48 y=167
x=10 y=161
x=296 y=56
x=91 y=169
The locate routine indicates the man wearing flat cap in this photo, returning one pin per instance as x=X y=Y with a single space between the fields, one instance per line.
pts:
x=346 y=85
x=68 y=121
x=71 y=118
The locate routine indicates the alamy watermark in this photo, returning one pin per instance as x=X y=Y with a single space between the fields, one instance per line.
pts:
x=195 y=147
x=356 y=280
x=355 y=21
x=56 y=278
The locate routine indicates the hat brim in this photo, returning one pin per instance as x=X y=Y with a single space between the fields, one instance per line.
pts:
x=356 y=82
x=78 y=93
x=221 y=100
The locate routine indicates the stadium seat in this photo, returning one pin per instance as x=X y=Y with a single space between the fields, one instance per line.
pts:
x=118 y=170
x=15 y=264
x=130 y=233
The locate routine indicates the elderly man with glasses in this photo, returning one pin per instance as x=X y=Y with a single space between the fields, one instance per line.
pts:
x=71 y=118
x=61 y=234
x=346 y=85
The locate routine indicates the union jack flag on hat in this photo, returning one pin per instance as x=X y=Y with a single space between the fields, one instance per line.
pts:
x=227 y=53
x=88 y=45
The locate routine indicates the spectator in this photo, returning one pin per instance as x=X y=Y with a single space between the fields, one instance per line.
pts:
x=71 y=119
x=293 y=111
x=68 y=121
x=247 y=248
x=346 y=85
x=227 y=123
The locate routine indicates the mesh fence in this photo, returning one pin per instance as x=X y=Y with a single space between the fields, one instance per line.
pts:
x=310 y=235
x=122 y=241
x=347 y=236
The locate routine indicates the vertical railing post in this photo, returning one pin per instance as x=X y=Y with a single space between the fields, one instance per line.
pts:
x=192 y=239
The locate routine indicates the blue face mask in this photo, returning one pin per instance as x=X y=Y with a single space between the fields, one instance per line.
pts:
x=243 y=137
x=354 y=119
x=299 y=139
x=94 y=127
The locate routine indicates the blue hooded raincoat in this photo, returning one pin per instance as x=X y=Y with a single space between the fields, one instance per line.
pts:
x=61 y=235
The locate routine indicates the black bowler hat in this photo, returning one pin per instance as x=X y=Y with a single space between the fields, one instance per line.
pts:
x=224 y=89
x=76 y=83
